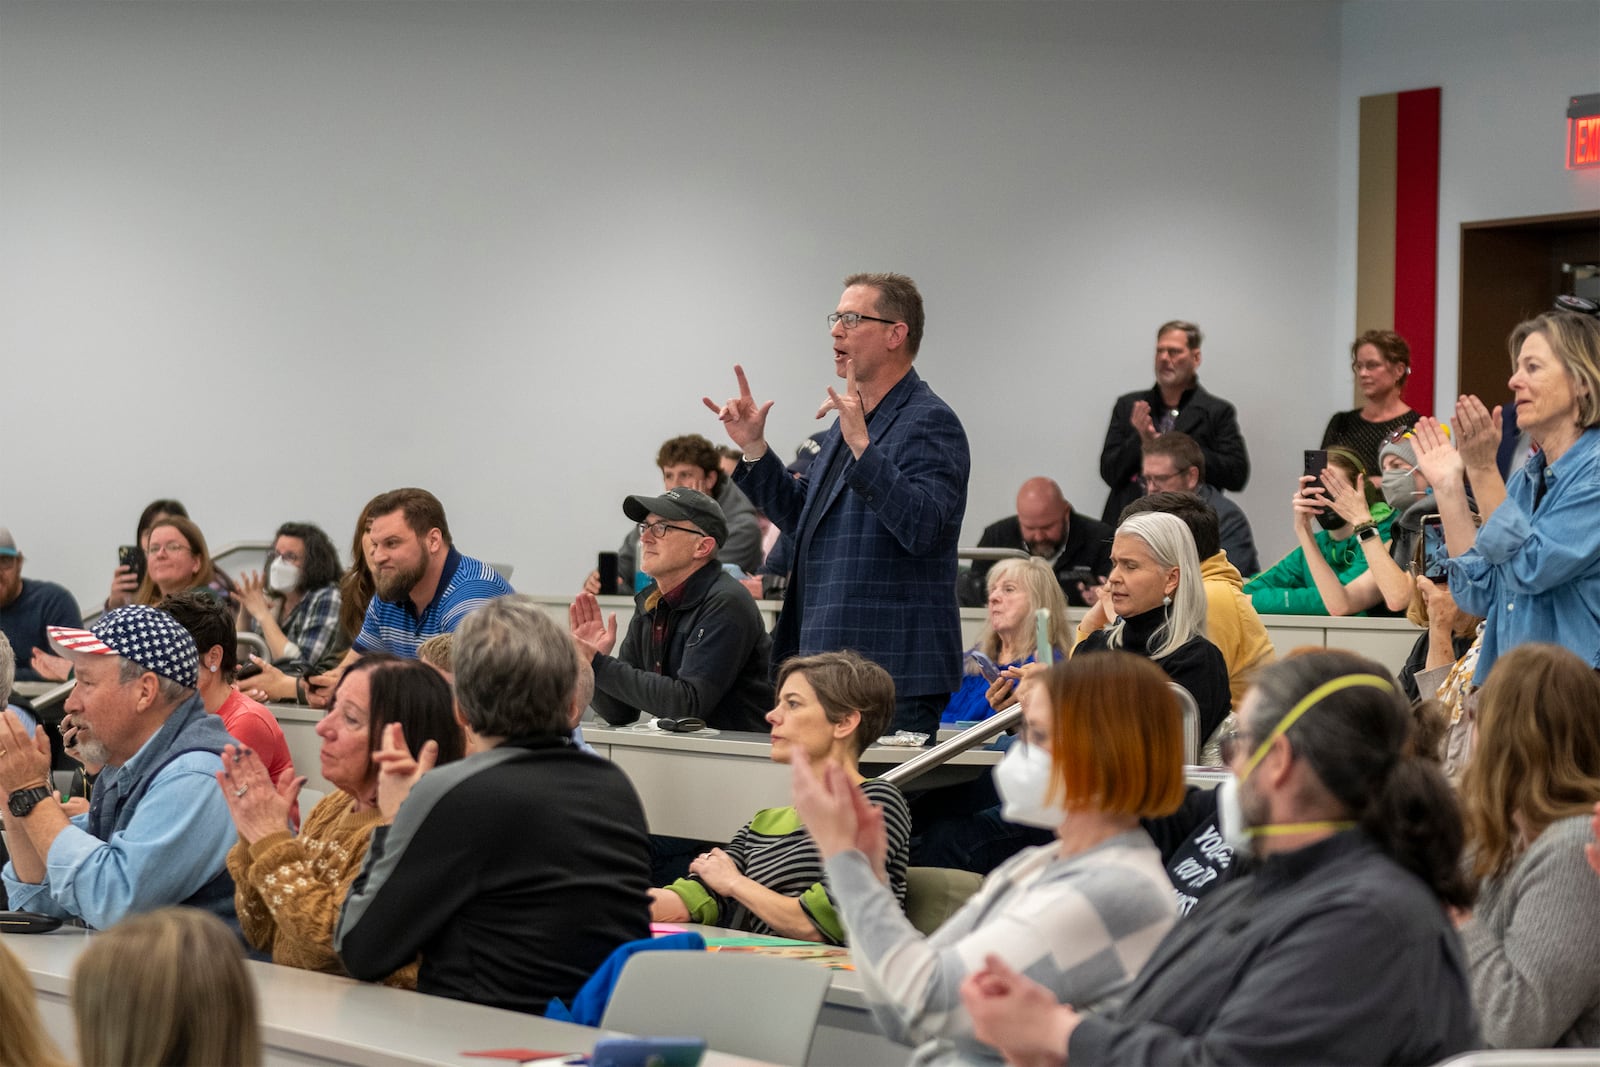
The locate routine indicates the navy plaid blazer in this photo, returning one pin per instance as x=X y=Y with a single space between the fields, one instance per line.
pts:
x=874 y=563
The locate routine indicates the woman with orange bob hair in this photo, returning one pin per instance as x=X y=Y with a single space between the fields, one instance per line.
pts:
x=1101 y=748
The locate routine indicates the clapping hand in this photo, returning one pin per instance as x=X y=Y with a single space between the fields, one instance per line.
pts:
x=251 y=590
x=745 y=420
x=50 y=668
x=838 y=815
x=594 y=634
x=1477 y=433
x=1017 y=1016
x=398 y=771
x=1437 y=458
x=258 y=807
x=1141 y=421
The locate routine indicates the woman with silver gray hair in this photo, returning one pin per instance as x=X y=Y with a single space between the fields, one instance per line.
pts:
x=1155 y=605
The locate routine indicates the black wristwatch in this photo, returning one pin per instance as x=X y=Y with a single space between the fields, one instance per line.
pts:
x=1367 y=531
x=23 y=801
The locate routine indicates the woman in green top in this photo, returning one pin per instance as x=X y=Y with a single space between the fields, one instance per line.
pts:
x=1334 y=549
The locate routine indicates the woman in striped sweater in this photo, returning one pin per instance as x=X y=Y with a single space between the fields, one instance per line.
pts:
x=1102 y=747
x=769 y=879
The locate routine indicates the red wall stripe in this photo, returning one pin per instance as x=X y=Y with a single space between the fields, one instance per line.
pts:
x=1416 y=238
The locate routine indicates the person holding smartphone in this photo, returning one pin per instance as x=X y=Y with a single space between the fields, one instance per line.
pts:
x=1314 y=578
x=1018 y=588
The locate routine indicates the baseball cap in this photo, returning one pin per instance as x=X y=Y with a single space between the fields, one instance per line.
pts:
x=806 y=453
x=152 y=639
x=686 y=505
x=8 y=547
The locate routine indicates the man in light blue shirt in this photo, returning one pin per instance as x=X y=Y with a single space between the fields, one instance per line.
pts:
x=157 y=830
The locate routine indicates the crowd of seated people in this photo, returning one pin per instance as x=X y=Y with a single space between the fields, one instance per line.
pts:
x=1335 y=900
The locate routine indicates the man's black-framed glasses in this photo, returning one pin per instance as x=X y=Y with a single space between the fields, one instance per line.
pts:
x=852 y=319
x=659 y=528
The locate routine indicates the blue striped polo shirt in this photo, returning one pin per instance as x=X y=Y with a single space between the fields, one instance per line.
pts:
x=464 y=585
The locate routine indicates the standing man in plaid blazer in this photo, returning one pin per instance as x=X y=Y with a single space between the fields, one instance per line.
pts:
x=877 y=517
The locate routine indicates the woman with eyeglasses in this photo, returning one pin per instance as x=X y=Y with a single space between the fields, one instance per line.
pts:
x=769 y=879
x=177 y=560
x=294 y=605
x=1528 y=797
x=1154 y=605
x=1533 y=570
x=1018 y=589
x=1381 y=363
x=1102 y=747
x=289 y=887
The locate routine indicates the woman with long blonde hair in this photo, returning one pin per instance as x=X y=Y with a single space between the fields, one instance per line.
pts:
x=23 y=1040
x=166 y=987
x=1529 y=796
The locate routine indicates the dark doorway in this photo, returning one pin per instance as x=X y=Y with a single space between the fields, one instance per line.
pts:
x=1513 y=269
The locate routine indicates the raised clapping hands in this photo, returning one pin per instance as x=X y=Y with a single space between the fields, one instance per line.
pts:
x=852 y=412
x=398 y=771
x=745 y=420
x=24 y=761
x=1017 y=1015
x=1437 y=458
x=258 y=807
x=589 y=629
x=251 y=590
x=1477 y=433
x=50 y=668
x=1141 y=421
x=838 y=815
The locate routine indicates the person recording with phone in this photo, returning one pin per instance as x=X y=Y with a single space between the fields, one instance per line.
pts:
x=1018 y=589
x=1313 y=578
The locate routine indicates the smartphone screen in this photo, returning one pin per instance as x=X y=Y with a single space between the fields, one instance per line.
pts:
x=132 y=557
x=1434 y=552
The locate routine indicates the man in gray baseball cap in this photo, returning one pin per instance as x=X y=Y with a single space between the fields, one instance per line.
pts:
x=157 y=831
x=695 y=649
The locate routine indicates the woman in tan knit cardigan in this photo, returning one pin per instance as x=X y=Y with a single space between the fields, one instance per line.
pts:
x=289 y=887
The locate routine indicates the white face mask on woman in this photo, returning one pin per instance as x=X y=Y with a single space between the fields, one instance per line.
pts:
x=1022 y=777
x=282 y=576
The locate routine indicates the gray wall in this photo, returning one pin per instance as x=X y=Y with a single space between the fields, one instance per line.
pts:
x=274 y=258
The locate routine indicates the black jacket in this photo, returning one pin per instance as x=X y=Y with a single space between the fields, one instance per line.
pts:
x=1210 y=420
x=1330 y=954
x=1197 y=664
x=714 y=665
x=1088 y=545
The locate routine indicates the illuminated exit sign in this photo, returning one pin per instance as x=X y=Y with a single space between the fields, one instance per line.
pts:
x=1583 y=132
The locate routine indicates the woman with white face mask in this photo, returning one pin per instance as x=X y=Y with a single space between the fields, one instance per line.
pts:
x=1102 y=746
x=294 y=606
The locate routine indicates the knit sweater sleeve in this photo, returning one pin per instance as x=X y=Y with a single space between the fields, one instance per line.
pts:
x=1532 y=946
x=1054 y=930
x=255 y=921
x=301 y=881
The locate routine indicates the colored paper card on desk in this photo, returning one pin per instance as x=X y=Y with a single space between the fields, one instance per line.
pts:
x=662 y=929
x=829 y=956
x=522 y=1055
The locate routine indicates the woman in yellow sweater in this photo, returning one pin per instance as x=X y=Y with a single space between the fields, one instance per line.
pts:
x=289 y=887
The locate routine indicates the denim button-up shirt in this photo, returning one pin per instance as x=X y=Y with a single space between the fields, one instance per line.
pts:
x=1535 y=574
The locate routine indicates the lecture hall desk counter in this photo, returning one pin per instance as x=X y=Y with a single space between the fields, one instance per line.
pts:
x=311 y=1018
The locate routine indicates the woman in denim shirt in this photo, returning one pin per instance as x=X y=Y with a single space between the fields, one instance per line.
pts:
x=1533 y=571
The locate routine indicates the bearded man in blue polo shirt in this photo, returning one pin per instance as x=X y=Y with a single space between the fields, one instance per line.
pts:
x=424 y=586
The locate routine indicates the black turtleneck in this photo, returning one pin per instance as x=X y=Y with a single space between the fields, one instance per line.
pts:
x=1197 y=664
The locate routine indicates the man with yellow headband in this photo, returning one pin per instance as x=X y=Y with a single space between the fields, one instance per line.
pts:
x=1335 y=948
